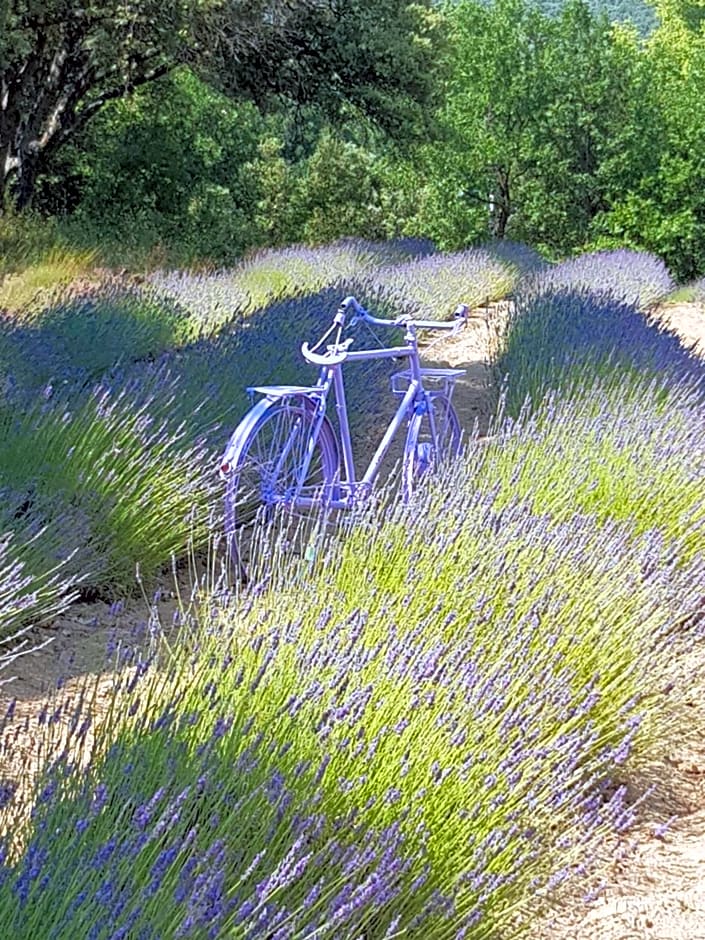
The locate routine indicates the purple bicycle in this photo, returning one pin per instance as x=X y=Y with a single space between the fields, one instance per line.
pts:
x=286 y=452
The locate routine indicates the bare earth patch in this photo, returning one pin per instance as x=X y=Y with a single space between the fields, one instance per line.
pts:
x=655 y=890
x=653 y=886
x=685 y=319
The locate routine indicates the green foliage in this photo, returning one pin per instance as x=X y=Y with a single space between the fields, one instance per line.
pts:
x=379 y=59
x=457 y=121
x=169 y=166
x=57 y=73
x=340 y=196
x=548 y=119
x=58 y=69
x=664 y=210
x=178 y=174
x=277 y=216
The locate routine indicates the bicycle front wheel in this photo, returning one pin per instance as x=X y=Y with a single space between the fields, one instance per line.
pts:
x=434 y=436
x=272 y=460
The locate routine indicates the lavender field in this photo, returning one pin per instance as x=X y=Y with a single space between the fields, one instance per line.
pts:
x=424 y=728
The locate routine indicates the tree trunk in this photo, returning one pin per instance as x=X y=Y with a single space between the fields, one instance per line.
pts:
x=51 y=87
x=22 y=187
x=500 y=205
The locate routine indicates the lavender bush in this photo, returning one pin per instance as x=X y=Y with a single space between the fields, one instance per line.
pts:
x=76 y=340
x=215 y=299
x=123 y=470
x=406 y=753
x=25 y=595
x=562 y=339
x=211 y=300
x=521 y=259
x=631 y=452
x=633 y=277
x=110 y=481
x=272 y=275
x=606 y=413
x=431 y=744
x=432 y=287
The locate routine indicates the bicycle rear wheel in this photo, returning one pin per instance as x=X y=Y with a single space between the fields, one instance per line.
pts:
x=271 y=461
x=425 y=450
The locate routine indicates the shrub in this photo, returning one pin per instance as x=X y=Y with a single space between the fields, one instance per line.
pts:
x=431 y=287
x=79 y=338
x=110 y=481
x=28 y=595
x=565 y=339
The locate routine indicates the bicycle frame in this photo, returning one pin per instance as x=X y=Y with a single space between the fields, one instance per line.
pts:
x=344 y=492
x=332 y=377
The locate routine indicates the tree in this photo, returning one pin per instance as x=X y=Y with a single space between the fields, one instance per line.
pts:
x=547 y=119
x=497 y=94
x=600 y=132
x=62 y=60
x=167 y=167
x=664 y=211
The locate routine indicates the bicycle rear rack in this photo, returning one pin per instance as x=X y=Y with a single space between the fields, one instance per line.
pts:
x=434 y=380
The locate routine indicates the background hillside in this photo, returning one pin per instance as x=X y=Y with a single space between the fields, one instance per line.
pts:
x=638 y=12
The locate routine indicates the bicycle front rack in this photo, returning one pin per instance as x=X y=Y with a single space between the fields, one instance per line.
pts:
x=434 y=380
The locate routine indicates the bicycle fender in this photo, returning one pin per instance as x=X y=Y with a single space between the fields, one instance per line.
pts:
x=240 y=435
x=246 y=427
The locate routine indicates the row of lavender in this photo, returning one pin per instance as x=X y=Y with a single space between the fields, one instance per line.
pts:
x=433 y=743
x=118 y=398
x=604 y=409
x=425 y=748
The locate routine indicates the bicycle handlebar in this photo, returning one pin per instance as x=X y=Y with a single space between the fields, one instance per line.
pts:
x=325 y=359
x=350 y=303
x=338 y=353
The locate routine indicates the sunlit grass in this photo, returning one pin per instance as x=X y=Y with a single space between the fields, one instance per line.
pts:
x=57 y=269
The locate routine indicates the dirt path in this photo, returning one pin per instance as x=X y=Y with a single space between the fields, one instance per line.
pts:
x=687 y=320
x=653 y=886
